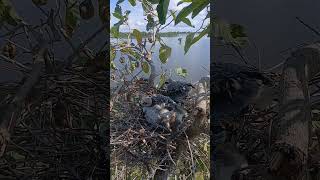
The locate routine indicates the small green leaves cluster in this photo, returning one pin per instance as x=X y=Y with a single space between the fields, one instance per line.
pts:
x=158 y=16
x=8 y=15
x=232 y=34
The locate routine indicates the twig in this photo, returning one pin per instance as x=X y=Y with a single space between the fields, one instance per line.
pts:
x=308 y=26
x=15 y=62
x=191 y=155
x=21 y=47
x=77 y=51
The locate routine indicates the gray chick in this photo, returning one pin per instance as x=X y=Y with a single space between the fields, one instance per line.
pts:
x=168 y=118
x=174 y=113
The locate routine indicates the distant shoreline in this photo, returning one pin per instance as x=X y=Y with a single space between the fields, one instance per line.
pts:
x=161 y=34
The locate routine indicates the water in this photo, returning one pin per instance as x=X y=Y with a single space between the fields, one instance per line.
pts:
x=196 y=61
x=271 y=25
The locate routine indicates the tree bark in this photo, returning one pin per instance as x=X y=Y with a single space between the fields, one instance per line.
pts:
x=290 y=132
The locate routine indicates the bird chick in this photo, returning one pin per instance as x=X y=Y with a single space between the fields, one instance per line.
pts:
x=168 y=118
x=162 y=109
x=146 y=101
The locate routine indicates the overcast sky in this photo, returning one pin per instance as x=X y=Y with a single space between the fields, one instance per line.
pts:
x=137 y=20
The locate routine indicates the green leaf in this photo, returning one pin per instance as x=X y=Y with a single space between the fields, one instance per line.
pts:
x=146 y=6
x=112 y=55
x=150 y=23
x=72 y=18
x=237 y=31
x=180 y=2
x=118 y=9
x=184 y=13
x=182 y=72
x=16 y=156
x=118 y=12
x=173 y=15
x=137 y=35
x=112 y=65
x=115 y=29
x=162 y=10
x=203 y=33
x=119 y=1
x=315 y=124
x=115 y=32
x=126 y=14
x=164 y=53
x=230 y=34
x=133 y=66
x=188 y=42
x=198 y=176
x=153 y=1
x=145 y=67
x=117 y=15
x=199 y=5
x=162 y=80
x=8 y=14
x=132 y=2
x=187 y=21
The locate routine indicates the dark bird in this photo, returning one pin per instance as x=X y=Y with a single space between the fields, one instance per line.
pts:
x=234 y=87
x=177 y=90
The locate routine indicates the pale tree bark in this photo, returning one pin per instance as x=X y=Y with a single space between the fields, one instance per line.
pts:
x=290 y=130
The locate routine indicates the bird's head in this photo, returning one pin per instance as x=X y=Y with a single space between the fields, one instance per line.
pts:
x=189 y=85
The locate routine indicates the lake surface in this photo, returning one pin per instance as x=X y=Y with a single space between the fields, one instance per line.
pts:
x=196 y=61
x=271 y=25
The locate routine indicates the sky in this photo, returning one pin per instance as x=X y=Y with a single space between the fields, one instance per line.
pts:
x=137 y=20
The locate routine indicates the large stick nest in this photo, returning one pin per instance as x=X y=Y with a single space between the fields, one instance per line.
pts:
x=62 y=129
x=135 y=143
x=252 y=134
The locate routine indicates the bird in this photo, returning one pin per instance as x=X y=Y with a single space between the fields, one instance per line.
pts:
x=234 y=87
x=162 y=108
x=168 y=118
x=152 y=114
x=159 y=116
x=177 y=90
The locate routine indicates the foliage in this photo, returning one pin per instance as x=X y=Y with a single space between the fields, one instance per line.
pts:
x=8 y=15
x=232 y=34
x=158 y=16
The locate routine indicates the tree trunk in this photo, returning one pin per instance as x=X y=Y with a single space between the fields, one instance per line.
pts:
x=290 y=130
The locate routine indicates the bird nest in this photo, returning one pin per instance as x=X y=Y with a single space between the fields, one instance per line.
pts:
x=135 y=143
x=251 y=132
x=61 y=132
